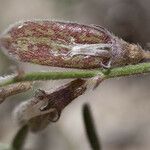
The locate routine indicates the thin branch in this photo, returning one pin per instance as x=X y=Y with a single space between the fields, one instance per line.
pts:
x=106 y=74
x=14 y=89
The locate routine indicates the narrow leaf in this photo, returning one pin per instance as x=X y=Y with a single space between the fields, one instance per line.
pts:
x=90 y=128
x=19 y=139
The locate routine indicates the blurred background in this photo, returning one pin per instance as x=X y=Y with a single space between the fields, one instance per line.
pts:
x=120 y=107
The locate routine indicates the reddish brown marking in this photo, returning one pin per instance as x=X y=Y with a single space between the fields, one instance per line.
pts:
x=44 y=42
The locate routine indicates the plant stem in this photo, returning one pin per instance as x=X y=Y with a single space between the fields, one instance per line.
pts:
x=105 y=73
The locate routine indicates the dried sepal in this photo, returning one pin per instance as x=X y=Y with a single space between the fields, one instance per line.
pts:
x=95 y=81
x=46 y=106
x=14 y=89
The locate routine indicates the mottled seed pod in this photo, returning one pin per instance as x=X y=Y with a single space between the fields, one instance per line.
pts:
x=65 y=44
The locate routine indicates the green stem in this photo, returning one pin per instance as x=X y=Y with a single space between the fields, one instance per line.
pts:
x=106 y=74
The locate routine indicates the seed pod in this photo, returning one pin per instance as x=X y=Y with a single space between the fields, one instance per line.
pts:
x=65 y=44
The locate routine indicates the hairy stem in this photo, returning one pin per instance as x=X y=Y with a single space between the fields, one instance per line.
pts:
x=106 y=74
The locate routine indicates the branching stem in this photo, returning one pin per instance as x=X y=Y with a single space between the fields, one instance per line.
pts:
x=106 y=74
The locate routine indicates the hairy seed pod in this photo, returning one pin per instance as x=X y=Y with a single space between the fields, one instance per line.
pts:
x=66 y=44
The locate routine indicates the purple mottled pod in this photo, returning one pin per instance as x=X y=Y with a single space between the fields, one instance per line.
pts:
x=66 y=44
